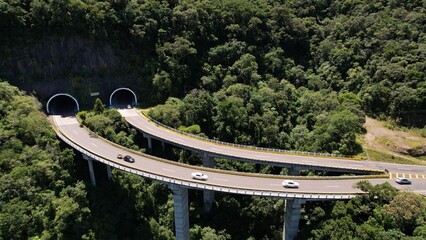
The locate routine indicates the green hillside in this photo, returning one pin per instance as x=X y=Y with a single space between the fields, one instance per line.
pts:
x=297 y=74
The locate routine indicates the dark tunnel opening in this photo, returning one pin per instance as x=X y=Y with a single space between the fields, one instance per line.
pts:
x=62 y=105
x=123 y=98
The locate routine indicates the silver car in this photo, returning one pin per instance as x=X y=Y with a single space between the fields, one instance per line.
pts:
x=401 y=180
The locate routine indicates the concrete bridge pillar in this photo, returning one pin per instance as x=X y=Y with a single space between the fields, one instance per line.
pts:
x=163 y=146
x=92 y=172
x=150 y=143
x=207 y=160
x=180 y=203
x=294 y=171
x=208 y=195
x=148 y=137
x=291 y=218
x=109 y=173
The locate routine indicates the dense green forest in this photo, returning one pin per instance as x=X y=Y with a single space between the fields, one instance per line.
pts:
x=296 y=74
x=268 y=73
x=40 y=196
x=284 y=74
x=43 y=195
x=374 y=49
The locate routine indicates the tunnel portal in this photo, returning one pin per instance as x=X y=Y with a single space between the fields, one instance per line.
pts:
x=62 y=104
x=122 y=98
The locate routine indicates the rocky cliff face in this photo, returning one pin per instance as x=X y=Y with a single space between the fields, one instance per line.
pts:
x=48 y=58
x=73 y=65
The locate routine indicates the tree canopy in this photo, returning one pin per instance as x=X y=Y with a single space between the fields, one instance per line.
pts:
x=296 y=74
x=40 y=197
x=374 y=50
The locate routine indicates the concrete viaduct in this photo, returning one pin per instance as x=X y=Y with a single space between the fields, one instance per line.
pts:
x=177 y=176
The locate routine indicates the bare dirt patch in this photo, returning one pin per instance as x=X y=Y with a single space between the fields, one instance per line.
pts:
x=393 y=142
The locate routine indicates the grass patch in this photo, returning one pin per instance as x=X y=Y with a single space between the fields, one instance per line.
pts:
x=413 y=143
x=392 y=125
x=420 y=132
x=386 y=142
x=384 y=157
x=145 y=111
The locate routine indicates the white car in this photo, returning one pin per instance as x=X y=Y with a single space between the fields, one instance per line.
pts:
x=199 y=176
x=401 y=180
x=290 y=184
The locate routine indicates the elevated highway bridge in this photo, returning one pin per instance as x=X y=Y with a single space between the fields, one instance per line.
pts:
x=274 y=157
x=178 y=176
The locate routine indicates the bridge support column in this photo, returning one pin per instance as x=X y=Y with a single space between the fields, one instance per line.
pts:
x=208 y=195
x=109 y=173
x=291 y=218
x=180 y=200
x=163 y=146
x=92 y=172
x=294 y=171
x=150 y=143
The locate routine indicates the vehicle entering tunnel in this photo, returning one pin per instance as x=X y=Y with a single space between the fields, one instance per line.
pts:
x=123 y=98
x=62 y=104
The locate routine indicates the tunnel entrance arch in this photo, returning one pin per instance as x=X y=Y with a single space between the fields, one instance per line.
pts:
x=122 y=97
x=65 y=105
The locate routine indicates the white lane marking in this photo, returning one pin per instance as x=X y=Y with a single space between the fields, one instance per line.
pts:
x=404 y=169
x=274 y=184
x=221 y=179
x=94 y=144
x=168 y=170
x=332 y=186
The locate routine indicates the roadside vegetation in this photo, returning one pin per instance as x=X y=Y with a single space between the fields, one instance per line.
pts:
x=382 y=213
x=109 y=124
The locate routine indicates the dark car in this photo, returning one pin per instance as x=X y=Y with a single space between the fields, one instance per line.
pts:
x=129 y=159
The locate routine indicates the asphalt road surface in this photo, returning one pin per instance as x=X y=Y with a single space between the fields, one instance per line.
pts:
x=70 y=128
x=133 y=117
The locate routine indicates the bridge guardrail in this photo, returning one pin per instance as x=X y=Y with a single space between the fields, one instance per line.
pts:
x=246 y=146
x=376 y=172
x=169 y=180
x=166 y=179
x=379 y=174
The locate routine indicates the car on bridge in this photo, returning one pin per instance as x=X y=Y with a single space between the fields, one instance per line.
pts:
x=129 y=159
x=401 y=180
x=199 y=176
x=290 y=184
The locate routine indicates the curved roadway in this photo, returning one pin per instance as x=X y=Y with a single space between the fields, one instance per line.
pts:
x=70 y=131
x=142 y=123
